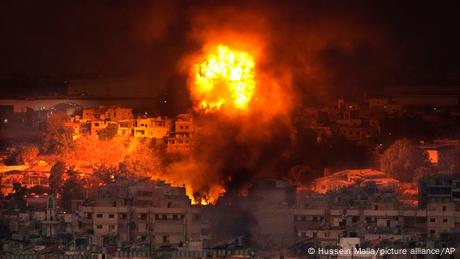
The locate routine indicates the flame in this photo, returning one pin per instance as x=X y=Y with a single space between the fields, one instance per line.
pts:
x=224 y=77
x=208 y=198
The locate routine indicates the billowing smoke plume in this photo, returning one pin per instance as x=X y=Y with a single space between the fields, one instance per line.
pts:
x=318 y=51
x=294 y=65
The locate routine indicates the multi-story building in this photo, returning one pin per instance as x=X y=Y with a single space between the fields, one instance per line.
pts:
x=379 y=218
x=99 y=125
x=107 y=114
x=439 y=187
x=180 y=139
x=354 y=121
x=125 y=127
x=153 y=214
x=440 y=151
x=103 y=117
x=177 y=133
x=158 y=127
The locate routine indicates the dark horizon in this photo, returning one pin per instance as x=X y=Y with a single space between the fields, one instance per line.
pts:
x=147 y=39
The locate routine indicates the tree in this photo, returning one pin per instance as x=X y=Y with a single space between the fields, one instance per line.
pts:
x=106 y=174
x=301 y=174
x=404 y=161
x=27 y=155
x=108 y=132
x=57 y=137
x=72 y=189
x=19 y=196
x=56 y=177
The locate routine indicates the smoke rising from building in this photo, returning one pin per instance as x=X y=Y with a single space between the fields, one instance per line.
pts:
x=291 y=70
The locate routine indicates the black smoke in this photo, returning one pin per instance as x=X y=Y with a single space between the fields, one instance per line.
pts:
x=363 y=45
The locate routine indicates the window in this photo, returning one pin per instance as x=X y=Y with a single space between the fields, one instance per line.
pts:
x=444 y=208
x=165 y=239
x=99 y=215
x=89 y=215
x=123 y=215
x=354 y=219
x=99 y=226
x=445 y=220
x=432 y=220
x=143 y=216
x=111 y=227
x=420 y=220
x=111 y=216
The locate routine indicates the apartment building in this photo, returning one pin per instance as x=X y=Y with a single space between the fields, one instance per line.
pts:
x=107 y=113
x=177 y=133
x=151 y=214
x=158 y=127
x=180 y=139
x=376 y=222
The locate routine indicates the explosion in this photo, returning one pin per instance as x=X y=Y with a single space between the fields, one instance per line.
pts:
x=224 y=77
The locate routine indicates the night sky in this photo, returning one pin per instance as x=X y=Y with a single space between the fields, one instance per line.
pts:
x=417 y=42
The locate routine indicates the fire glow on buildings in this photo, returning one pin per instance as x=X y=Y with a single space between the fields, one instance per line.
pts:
x=216 y=129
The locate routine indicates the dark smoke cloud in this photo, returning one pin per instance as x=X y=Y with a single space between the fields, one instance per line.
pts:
x=138 y=40
x=301 y=56
x=387 y=42
x=324 y=51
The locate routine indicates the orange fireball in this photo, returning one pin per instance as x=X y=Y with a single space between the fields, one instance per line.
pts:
x=225 y=78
